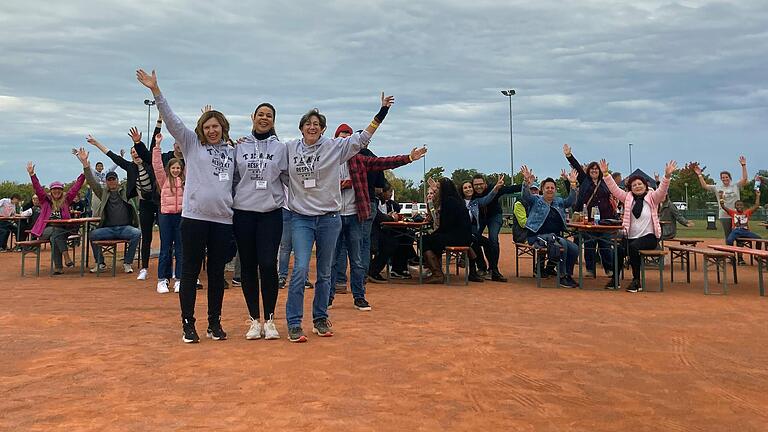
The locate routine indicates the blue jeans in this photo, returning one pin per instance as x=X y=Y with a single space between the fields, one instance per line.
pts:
x=322 y=231
x=350 y=237
x=494 y=227
x=340 y=261
x=123 y=232
x=285 y=246
x=603 y=244
x=365 y=246
x=170 y=246
x=739 y=233
x=570 y=251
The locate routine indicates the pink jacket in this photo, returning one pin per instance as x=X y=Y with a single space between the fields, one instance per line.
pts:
x=170 y=202
x=653 y=198
x=45 y=203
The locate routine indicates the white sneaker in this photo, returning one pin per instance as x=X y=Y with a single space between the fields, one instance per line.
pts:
x=176 y=286
x=98 y=268
x=162 y=286
x=270 y=330
x=142 y=274
x=128 y=269
x=255 y=331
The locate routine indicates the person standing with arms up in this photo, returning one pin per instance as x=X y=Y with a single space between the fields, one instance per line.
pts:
x=206 y=217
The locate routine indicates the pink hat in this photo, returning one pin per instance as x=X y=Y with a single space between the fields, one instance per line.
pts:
x=56 y=184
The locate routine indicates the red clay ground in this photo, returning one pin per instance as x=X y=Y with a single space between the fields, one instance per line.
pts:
x=105 y=354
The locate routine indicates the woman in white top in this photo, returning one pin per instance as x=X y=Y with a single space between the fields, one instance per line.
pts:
x=729 y=190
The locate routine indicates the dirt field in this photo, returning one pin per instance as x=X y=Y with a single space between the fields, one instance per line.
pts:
x=106 y=354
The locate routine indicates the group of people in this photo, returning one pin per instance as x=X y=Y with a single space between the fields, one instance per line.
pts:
x=260 y=198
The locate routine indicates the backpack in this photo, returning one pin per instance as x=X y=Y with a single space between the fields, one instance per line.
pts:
x=552 y=243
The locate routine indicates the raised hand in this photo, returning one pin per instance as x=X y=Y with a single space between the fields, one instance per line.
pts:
x=149 y=81
x=418 y=153
x=742 y=160
x=697 y=169
x=82 y=155
x=74 y=151
x=573 y=176
x=499 y=182
x=690 y=224
x=207 y=108
x=387 y=101
x=670 y=168
x=566 y=150
x=656 y=177
x=30 y=168
x=527 y=174
x=135 y=135
x=158 y=139
x=432 y=184
x=122 y=152
x=92 y=141
x=603 y=166
x=563 y=174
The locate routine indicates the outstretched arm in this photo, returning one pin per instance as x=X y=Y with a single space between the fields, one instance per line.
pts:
x=744 y=175
x=184 y=136
x=611 y=183
x=757 y=201
x=574 y=163
x=699 y=173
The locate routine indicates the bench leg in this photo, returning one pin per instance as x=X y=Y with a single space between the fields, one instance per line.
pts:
x=725 y=276
x=688 y=266
x=706 y=276
x=642 y=272
x=661 y=273
x=672 y=266
x=466 y=268
x=22 y=262
x=537 y=266
x=114 y=261
x=760 y=276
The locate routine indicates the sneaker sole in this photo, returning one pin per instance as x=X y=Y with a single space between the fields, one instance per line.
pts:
x=185 y=340
x=271 y=337
x=317 y=332
x=252 y=337
x=365 y=309
x=212 y=337
x=301 y=339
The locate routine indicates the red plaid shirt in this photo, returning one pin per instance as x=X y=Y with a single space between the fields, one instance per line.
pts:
x=359 y=166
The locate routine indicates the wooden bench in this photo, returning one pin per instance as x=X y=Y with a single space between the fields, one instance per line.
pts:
x=686 y=242
x=760 y=256
x=31 y=246
x=523 y=250
x=109 y=246
x=459 y=252
x=718 y=258
x=652 y=256
x=752 y=243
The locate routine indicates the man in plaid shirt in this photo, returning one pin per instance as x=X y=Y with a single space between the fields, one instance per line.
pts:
x=356 y=209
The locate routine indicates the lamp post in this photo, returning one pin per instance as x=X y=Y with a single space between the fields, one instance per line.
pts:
x=630 y=158
x=509 y=93
x=149 y=104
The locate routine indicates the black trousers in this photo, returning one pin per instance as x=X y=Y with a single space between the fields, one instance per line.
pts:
x=6 y=228
x=480 y=243
x=196 y=235
x=393 y=245
x=258 y=239
x=147 y=218
x=634 y=246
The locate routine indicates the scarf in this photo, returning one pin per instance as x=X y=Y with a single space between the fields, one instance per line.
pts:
x=637 y=207
x=262 y=136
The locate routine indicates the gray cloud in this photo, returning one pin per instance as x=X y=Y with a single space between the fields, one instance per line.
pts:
x=680 y=80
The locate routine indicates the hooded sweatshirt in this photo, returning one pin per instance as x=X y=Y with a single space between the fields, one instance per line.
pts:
x=313 y=171
x=260 y=166
x=209 y=171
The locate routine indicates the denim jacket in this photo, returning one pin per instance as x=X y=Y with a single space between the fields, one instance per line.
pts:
x=538 y=208
x=474 y=208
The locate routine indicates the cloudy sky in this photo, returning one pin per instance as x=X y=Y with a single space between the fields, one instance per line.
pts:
x=678 y=79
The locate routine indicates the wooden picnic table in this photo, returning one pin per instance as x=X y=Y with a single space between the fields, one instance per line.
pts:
x=15 y=218
x=761 y=257
x=587 y=231
x=415 y=231
x=83 y=225
x=718 y=258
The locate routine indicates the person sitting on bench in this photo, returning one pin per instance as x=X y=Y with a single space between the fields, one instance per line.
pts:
x=740 y=221
x=119 y=220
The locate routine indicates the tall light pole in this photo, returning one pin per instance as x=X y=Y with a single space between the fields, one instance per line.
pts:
x=509 y=93
x=149 y=104
x=630 y=158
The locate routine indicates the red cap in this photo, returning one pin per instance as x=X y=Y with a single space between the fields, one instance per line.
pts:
x=343 y=128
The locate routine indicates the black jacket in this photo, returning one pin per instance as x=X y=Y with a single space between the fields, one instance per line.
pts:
x=494 y=208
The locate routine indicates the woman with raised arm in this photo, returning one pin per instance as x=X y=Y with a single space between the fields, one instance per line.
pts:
x=593 y=194
x=206 y=217
x=641 y=215
x=260 y=162
x=730 y=191
x=314 y=197
x=170 y=182
x=54 y=205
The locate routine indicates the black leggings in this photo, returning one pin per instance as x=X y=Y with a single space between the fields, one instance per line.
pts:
x=147 y=218
x=634 y=246
x=258 y=238
x=196 y=235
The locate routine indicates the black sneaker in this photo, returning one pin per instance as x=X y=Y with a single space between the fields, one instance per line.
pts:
x=189 y=334
x=322 y=327
x=236 y=282
x=377 y=278
x=308 y=285
x=498 y=277
x=565 y=283
x=281 y=283
x=362 y=304
x=482 y=273
x=215 y=331
x=634 y=286
x=405 y=274
x=611 y=285
x=573 y=283
x=296 y=334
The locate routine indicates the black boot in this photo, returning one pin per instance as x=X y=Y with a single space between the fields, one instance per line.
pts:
x=473 y=276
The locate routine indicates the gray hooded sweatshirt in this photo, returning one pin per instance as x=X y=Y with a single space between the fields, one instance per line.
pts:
x=260 y=167
x=209 y=171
